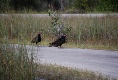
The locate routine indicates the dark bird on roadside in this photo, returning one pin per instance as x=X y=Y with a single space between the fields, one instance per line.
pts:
x=58 y=42
x=36 y=39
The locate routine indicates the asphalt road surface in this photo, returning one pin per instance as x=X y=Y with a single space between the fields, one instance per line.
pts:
x=61 y=15
x=100 y=61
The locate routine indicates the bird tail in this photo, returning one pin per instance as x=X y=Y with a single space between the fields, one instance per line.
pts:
x=33 y=40
x=50 y=44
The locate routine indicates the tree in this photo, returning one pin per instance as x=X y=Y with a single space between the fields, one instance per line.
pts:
x=109 y=5
x=4 y=5
x=81 y=5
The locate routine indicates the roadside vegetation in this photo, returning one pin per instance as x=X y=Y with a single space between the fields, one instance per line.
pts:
x=56 y=72
x=82 y=32
x=15 y=64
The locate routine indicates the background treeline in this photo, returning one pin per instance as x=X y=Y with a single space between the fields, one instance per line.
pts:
x=96 y=5
x=76 y=6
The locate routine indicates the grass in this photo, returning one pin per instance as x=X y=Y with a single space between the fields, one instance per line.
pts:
x=87 y=31
x=56 y=72
x=16 y=64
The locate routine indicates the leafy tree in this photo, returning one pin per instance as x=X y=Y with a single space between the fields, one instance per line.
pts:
x=39 y=5
x=100 y=5
x=80 y=4
x=4 y=5
x=109 y=5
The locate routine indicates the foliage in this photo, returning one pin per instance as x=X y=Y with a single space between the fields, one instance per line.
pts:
x=99 y=5
x=109 y=5
x=57 y=25
x=19 y=5
x=4 y=5
x=42 y=5
x=81 y=4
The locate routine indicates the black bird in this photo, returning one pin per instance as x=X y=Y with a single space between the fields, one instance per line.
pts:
x=36 y=39
x=58 y=42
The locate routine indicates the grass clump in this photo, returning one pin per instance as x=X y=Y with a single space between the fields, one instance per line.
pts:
x=16 y=63
x=55 y=72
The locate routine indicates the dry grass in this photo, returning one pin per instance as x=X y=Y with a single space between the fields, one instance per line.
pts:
x=56 y=72
x=93 y=31
x=15 y=64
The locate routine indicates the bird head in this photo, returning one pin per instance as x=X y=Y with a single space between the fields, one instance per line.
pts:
x=64 y=35
x=39 y=32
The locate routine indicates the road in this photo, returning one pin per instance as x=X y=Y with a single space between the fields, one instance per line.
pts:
x=100 y=61
x=61 y=15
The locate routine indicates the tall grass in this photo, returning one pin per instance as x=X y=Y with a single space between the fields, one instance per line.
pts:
x=82 y=30
x=16 y=63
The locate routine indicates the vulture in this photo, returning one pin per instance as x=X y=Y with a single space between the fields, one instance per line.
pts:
x=58 y=42
x=36 y=39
